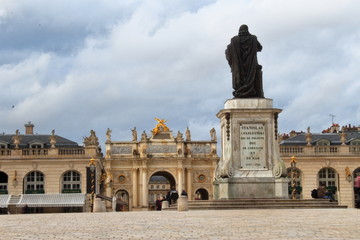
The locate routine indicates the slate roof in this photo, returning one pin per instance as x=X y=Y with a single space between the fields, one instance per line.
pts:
x=334 y=138
x=27 y=139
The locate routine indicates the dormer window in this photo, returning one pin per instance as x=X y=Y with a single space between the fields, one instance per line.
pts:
x=323 y=143
x=36 y=145
x=355 y=142
x=3 y=145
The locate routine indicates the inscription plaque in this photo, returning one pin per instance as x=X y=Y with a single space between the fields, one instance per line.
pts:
x=121 y=150
x=200 y=149
x=162 y=149
x=252 y=144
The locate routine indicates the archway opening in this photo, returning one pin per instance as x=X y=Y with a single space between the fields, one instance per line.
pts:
x=122 y=201
x=201 y=194
x=160 y=184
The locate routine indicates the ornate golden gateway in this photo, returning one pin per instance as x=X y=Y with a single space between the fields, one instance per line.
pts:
x=160 y=127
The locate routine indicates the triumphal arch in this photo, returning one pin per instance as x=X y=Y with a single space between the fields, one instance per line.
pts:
x=136 y=169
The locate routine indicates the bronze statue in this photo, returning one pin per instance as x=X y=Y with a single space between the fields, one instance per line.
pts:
x=241 y=55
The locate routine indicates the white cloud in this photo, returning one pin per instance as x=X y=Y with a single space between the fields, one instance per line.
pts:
x=92 y=65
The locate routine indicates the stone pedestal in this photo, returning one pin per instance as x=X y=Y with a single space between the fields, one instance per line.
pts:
x=250 y=166
x=281 y=187
x=183 y=203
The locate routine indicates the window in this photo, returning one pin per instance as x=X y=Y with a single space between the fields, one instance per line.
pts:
x=355 y=142
x=3 y=183
x=328 y=176
x=71 y=182
x=34 y=182
x=323 y=143
x=355 y=146
x=201 y=178
x=35 y=146
x=122 y=179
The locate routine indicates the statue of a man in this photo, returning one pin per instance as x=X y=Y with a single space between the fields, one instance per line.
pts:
x=134 y=134
x=108 y=135
x=143 y=136
x=241 y=55
x=213 y=134
x=188 y=134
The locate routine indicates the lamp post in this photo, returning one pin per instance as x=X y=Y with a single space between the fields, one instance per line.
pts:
x=92 y=170
x=293 y=176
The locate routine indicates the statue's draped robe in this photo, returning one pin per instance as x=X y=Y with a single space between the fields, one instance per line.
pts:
x=246 y=72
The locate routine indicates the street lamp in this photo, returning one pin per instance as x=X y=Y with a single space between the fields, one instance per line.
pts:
x=293 y=176
x=92 y=170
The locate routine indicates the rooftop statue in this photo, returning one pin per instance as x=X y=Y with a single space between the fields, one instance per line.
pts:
x=160 y=127
x=241 y=55
x=92 y=140
x=134 y=134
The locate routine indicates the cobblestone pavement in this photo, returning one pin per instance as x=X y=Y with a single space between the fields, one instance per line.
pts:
x=218 y=224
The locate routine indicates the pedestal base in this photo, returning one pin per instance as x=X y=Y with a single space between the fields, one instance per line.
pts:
x=281 y=188
x=231 y=188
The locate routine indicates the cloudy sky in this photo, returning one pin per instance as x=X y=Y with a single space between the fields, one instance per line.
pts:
x=79 y=65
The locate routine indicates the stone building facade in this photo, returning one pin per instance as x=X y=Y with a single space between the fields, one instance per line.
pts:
x=186 y=164
x=331 y=157
x=45 y=172
x=48 y=173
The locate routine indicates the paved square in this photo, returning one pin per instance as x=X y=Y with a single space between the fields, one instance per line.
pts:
x=219 y=224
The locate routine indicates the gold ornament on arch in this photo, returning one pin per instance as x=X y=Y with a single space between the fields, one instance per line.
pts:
x=160 y=127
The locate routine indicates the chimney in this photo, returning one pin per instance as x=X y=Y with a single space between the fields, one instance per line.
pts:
x=29 y=128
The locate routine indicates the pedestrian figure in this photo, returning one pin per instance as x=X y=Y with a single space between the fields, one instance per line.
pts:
x=184 y=193
x=173 y=195
x=158 y=204
x=357 y=191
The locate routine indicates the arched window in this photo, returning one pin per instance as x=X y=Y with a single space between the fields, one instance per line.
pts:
x=3 y=183
x=34 y=182
x=298 y=185
x=71 y=182
x=328 y=176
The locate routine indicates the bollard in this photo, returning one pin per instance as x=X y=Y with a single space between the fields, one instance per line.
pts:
x=183 y=203
x=164 y=204
x=113 y=204
x=99 y=205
